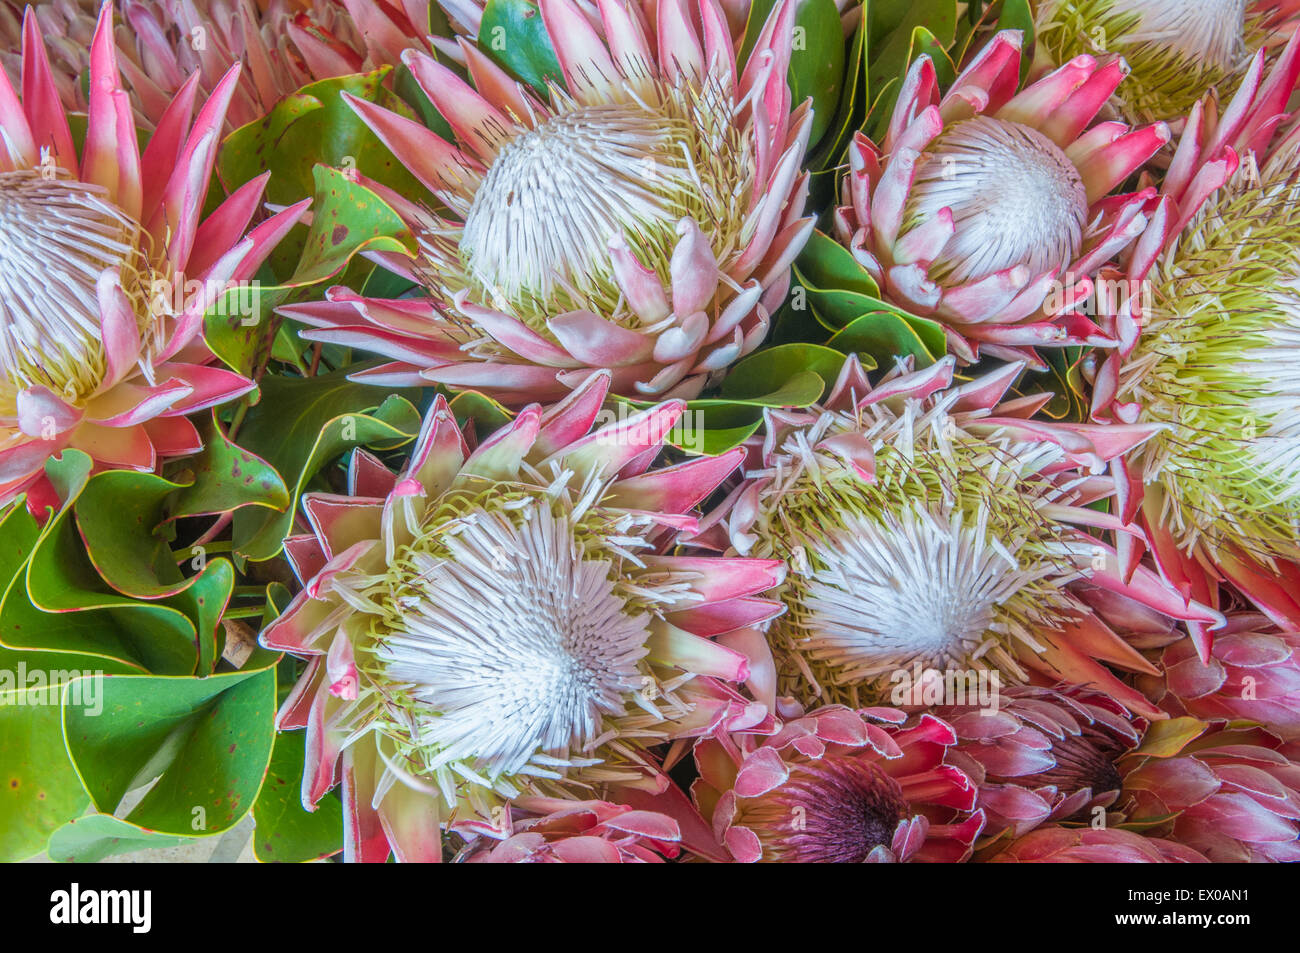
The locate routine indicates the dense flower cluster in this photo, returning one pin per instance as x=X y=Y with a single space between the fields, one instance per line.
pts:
x=617 y=448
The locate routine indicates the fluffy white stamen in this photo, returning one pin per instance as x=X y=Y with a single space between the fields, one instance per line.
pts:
x=1015 y=197
x=57 y=236
x=1205 y=31
x=897 y=590
x=516 y=644
x=556 y=195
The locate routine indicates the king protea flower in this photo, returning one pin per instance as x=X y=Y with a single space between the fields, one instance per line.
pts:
x=643 y=219
x=1044 y=755
x=98 y=346
x=1235 y=801
x=1207 y=353
x=1089 y=845
x=559 y=831
x=931 y=527
x=1253 y=674
x=283 y=45
x=1175 y=49
x=990 y=210
x=839 y=786
x=504 y=621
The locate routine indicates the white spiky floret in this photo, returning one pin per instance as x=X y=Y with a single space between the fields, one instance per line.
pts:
x=950 y=556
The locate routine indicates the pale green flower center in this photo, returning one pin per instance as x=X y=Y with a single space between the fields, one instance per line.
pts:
x=1217 y=362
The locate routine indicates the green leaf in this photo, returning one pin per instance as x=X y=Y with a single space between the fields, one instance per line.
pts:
x=828 y=264
x=842 y=295
x=285 y=832
x=512 y=33
x=207 y=741
x=892 y=42
x=240 y=327
x=96 y=837
x=486 y=414
x=300 y=425
x=65 y=605
x=39 y=790
x=757 y=373
x=347 y=218
x=885 y=335
x=117 y=515
x=850 y=114
x=225 y=477
x=315 y=126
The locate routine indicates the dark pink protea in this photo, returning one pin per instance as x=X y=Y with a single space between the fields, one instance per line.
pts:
x=107 y=267
x=558 y=831
x=839 y=786
x=937 y=526
x=990 y=210
x=642 y=220
x=510 y=621
x=1253 y=674
x=1237 y=797
x=1043 y=755
x=282 y=44
x=1087 y=845
x=1207 y=354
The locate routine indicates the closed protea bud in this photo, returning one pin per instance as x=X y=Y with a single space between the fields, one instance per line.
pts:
x=990 y=210
x=1043 y=755
x=839 y=786
x=1208 y=353
x=1253 y=674
x=1175 y=49
x=642 y=219
x=505 y=621
x=106 y=270
x=558 y=831
x=1088 y=845
x=931 y=527
x=1237 y=799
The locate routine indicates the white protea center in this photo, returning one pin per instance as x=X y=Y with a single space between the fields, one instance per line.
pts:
x=556 y=195
x=57 y=236
x=1015 y=196
x=514 y=643
x=900 y=590
x=535 y=231
x=945 y=558
x=1212 y=32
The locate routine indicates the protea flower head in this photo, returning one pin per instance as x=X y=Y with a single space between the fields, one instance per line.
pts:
x=1237 y=800
x=839 y=786
x=1044 y=755
x=930 y=527
x=642 y=219
x=503 y=622
x=990 y=210
x=283 y=45
x=1089 y=845
x=1253 y=675
x=1207 y=352
x=98 y=316
x=559 y=831
x=1175 y=49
